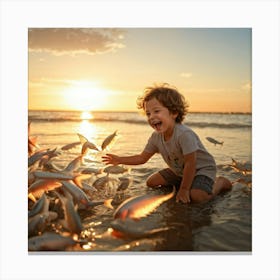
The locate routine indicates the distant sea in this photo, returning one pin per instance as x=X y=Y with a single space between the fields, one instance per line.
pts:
x=223 y=224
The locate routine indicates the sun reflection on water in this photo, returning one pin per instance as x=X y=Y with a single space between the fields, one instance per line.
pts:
x=86 y=115
x=86 y=127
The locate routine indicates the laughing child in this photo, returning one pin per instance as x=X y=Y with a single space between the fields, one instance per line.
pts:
x=191 y=168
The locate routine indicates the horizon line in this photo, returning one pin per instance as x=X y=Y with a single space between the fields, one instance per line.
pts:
x=136 y=111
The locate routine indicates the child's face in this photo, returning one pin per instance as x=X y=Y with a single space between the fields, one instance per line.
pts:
x=159 y=117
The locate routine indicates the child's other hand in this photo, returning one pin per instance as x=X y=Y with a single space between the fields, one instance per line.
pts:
x=183 y=195
x=110 y=159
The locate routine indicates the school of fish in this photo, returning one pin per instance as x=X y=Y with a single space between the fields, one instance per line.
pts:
x=56 y=195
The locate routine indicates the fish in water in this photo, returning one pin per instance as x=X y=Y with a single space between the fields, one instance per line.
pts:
x=41 y=206
x=214 y=141
x=72 y=220
x=39 y=222
x=50 y=241
x=116 y=169
x=108 y=140
x=81 y=198
x=40 y=186
x=242 y=167
x=140 y=206
x=134 y=229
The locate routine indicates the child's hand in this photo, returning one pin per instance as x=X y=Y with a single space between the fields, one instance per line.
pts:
x=111 y=159
x=183 y=195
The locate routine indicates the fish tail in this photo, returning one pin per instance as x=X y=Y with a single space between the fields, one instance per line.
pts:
x=32 y=197
x=108 y=203
x=78 y=179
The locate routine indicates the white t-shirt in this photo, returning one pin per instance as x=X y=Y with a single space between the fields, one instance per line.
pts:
x=183 y=141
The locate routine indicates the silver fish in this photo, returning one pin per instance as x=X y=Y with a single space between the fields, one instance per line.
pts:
x=133 y=229
x=50 y=241
x=108 y=140
x=72 y=220
x=41 y=206
x=86 y=144
x=54 y=175
x=70 y=146
x=74 y=164
x=214 y=141
x=37 y=156
x=125 y=183
x=116 y=169
x=80 y=196
x=242 y=167
x=140 y=206
x=43 y=185
x=39 y=222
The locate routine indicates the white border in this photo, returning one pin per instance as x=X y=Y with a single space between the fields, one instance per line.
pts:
x=262 y=16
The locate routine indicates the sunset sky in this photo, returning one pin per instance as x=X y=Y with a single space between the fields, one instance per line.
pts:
x=107 y=69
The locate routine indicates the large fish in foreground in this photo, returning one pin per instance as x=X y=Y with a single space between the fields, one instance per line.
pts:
x=141 y=206
x=134 y=229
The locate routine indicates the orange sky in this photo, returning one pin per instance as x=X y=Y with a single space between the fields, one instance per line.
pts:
x=107 y=69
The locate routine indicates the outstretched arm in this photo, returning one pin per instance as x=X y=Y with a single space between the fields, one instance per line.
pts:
x=129 y=160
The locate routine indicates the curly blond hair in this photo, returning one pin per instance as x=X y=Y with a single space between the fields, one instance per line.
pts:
x=168 y=96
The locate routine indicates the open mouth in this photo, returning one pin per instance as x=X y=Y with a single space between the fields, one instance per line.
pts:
x=157 y=125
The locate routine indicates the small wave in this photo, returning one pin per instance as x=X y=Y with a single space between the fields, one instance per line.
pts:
x=142 y=122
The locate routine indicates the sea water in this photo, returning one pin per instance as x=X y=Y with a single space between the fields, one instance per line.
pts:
x=223 y=224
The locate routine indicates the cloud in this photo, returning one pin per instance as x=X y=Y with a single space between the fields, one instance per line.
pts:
x=73 y=41
x=186 y=75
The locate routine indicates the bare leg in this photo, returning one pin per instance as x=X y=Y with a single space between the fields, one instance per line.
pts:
x=155 y=180
x=221 y=184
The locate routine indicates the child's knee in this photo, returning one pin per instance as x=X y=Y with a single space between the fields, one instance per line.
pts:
x=155 y=180
x=224 y=182
x=151 y=182
x=198 y=196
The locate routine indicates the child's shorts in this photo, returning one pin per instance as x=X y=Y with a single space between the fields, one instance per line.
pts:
x=201 y=182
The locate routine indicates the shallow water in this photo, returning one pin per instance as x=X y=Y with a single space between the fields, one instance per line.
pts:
x=223 y=224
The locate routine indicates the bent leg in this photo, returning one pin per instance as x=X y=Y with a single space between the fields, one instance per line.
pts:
x=155 y=180
x=221 y=184
x=198 y=196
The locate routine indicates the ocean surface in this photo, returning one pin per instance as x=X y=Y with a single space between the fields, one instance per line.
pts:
x=223 y=224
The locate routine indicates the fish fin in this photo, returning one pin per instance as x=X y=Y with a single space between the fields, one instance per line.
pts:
x=108 y=203
x=79 y=177
x=82 y=138
x=32 y=197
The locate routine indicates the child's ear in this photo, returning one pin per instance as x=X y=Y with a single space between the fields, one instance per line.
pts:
x=175 y=115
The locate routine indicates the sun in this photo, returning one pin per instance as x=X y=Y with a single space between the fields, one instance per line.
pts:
x=86 y=96
x=85 y=115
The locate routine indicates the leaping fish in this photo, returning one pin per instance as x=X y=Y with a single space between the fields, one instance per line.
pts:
x=70 y=146
x=86 y=144
x=108 y=140
x=214 y=141
x=141 y=206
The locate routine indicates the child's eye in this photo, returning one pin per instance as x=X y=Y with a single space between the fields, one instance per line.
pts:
x=148 y=114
